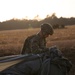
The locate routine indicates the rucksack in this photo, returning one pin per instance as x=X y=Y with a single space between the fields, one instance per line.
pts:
x=28 y=65
x=26 y=44
x=39 y=64
x=57 y=64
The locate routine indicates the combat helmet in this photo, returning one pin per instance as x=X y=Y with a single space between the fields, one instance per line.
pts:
x=47 y=28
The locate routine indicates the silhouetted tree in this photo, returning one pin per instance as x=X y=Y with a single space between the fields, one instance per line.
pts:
x=25 y=23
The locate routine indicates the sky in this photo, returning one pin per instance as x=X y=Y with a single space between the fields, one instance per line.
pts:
x=21 y=9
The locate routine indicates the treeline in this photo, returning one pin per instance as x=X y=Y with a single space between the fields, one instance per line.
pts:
x=24 y=24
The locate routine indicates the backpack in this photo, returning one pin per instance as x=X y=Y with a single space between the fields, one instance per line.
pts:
x=57 y=64
x=37 y=64
x=23 y=65
x=27 y=44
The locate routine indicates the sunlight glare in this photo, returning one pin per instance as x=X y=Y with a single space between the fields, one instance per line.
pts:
x=30 y=8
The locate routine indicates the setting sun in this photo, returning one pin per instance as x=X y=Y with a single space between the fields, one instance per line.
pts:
x=22 y=9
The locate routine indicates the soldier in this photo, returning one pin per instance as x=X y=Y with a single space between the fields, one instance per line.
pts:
x=37 y=43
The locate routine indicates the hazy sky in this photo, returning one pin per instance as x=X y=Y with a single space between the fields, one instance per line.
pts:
x=21 y=8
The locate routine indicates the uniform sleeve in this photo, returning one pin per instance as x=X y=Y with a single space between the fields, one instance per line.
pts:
x=23 y=49
x=35 y=48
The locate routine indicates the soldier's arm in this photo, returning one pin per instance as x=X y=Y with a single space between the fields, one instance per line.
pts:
x=35 y=46
x=23 y=49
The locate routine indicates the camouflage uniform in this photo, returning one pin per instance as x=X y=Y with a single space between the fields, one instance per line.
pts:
x=36 y=44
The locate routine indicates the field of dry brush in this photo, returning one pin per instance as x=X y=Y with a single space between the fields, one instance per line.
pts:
x=11 y=42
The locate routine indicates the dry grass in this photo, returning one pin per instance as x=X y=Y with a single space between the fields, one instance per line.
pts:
x=12 y=41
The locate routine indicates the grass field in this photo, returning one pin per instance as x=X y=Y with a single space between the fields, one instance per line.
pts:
x=11 y=41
